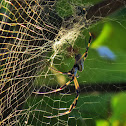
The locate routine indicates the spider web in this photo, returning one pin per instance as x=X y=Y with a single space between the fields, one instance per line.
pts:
x=37 y=34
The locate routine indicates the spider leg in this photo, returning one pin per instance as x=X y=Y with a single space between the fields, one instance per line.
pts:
x=66 y=73
x=73 y=105
x=86 y=52
x=56 y=90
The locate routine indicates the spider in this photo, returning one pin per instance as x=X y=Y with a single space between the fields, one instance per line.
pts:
x=78 y=66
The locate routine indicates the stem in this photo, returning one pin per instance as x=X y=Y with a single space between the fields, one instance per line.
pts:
x=104 y=9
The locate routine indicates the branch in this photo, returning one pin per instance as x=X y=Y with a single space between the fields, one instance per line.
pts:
x=104 y=9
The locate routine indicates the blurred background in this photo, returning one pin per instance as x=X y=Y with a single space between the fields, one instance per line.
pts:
x=102 y=82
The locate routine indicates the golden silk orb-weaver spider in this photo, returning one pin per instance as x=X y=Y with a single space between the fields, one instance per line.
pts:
x=78 y=66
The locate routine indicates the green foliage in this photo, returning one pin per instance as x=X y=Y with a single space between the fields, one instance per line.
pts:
x=89 y=108
x=118 y=105
x=102 y=123
x=64 y=7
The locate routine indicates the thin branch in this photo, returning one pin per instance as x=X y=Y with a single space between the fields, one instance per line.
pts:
x=104 y=8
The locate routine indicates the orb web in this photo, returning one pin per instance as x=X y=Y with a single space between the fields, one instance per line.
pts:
x=35 y=35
